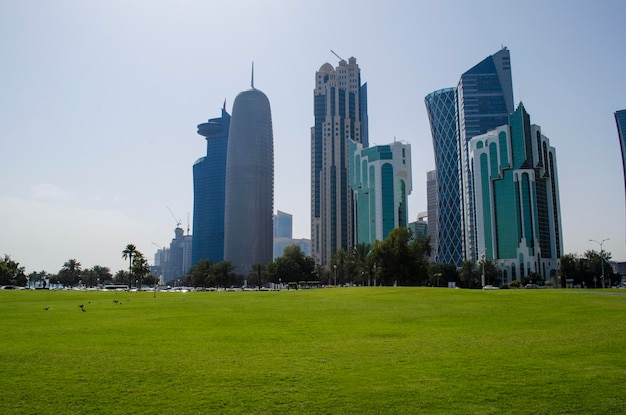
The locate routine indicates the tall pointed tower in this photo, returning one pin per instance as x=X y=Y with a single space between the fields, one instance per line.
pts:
x=249 y=196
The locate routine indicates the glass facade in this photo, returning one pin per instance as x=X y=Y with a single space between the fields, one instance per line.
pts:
x=517 y=204
x=340 y=114
x=484 y=100
x=209 y=181
x=249 y=195
x=446 y=221
x=620 y=120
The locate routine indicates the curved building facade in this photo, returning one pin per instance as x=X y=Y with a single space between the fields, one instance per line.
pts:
x=209 y=182
x=448 y=243
x=249 y=195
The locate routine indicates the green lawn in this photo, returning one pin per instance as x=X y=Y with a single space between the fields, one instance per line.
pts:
x=328 y=351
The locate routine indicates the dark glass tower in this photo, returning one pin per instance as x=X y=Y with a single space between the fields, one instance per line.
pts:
x=209 y=181
x=448 y=246
x=249 y=199
x=340 y=112
x=620 y=120
x=484 y=101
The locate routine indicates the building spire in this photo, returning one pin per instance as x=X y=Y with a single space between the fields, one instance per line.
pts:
x=252 y=80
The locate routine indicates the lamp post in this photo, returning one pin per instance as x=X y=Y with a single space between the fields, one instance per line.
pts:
x=482 y=277
x=335 y=269
x=601 y=243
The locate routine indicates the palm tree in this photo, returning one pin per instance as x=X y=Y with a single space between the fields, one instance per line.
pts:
x=140 y=267
x=72 y=268
x=128 y=253
x=258 y=270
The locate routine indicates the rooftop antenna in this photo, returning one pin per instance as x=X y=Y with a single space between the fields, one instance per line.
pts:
x=224 y=107
x=339 y=57
x=252 y=80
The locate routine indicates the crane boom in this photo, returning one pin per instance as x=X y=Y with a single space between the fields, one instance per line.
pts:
x=176 y=220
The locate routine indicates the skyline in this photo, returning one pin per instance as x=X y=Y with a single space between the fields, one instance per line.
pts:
x=101 y=102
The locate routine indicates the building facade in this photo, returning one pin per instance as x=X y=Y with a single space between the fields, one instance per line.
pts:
x=484 y=101
x=283 y=225
x=249 y=192
x=340 y=113
x=209 y=186
x=432 y=211
x=518 y=219
x=380 y=178
x=444 y=203
x=620 y=120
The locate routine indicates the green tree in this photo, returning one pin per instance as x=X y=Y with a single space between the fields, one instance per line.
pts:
x=490 y=270
x=402 y=259
x=257 y=275
x=441 y=274
x=128 y=253
x=292 y=266
x=598 y=265
x=202 y=274
x=11 y=273
x=224 y=273
x=338 y=265
x=140 y=268
x=70 y=273
x=468 y=273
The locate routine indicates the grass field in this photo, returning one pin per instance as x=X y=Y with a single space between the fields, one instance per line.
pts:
x=325 y=351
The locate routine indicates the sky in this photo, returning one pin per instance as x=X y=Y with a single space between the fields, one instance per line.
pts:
x=99 y=103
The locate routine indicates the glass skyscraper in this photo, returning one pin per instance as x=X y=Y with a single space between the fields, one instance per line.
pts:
x=209 y=181
x=340 y=113
x=249 y=194
x=518 y=219
x=381 y=180
x=445 y=223
x=620 y=120
x=484 y=101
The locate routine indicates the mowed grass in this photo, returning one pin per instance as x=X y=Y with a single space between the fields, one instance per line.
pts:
x=325 y=351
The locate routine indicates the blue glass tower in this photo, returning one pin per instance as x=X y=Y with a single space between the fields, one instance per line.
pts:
x=484 y=101
x=620 y=120
x=209 y=180
x=448 y=244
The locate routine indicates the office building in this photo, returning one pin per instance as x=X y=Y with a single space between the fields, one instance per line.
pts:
x=340 y=113
x=380 y=178
x=444 y=201
x=518 y=220
x=419 y=228
x=620 y=120
x=249 y=192
x=283 y=225
x=209 y=183
x=432 y=210
x=484 y=98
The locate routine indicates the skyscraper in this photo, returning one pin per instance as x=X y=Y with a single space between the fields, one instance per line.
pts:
x=620 y=120
x=381 y=180
x=209 y=182
x=432 y=206
x=249 y=194
x=340 y=112
x=518 y=219
x=484 y=101
x=445 y=223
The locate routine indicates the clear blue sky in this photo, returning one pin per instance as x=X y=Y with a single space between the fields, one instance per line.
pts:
x=100 y=101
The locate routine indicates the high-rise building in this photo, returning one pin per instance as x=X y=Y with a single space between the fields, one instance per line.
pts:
x=340 y=112
x=484 y=99
x=419 y=228
x=283 y=235
x=249 y=193
x=620 y=120
x=283 y=225
x=518 y=219
x=444 y=209
x=209 y=183
x=432 y=211
x=381 y=180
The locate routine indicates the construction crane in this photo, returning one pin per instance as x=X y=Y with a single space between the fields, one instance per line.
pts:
x=333 y=52
x=176 y=220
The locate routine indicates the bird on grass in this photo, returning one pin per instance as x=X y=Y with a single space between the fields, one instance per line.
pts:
x=115 y=301
x=81 y=307
x=47 y=308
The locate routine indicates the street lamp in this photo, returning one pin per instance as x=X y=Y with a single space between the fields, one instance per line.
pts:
x=601 y=256
x=335 y=269
x=482 y=277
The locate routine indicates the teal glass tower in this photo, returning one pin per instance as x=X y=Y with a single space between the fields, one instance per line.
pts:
x=518 y=219
x=209 y=182
x=484 y=101
x=447 y=244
